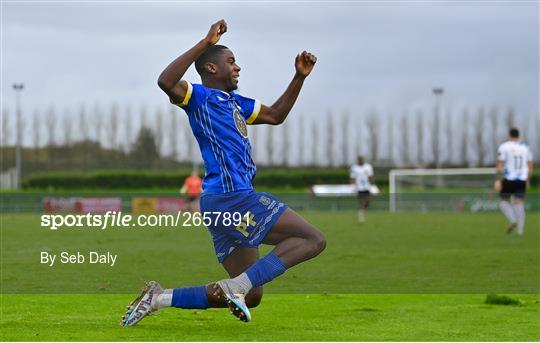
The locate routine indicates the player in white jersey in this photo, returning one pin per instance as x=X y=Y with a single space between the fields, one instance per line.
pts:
x=362 y=177
x=514 y=164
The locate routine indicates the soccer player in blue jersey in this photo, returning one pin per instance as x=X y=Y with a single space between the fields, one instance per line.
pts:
x=218 y=118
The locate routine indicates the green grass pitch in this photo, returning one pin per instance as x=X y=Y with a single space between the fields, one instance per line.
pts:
x=279 y=318
x=404 y=276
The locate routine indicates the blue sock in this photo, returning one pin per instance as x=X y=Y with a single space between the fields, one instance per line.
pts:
x=266 y=269
x=190 y=298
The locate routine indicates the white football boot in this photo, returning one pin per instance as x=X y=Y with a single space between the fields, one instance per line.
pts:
x=142 y=305
x=235 y=298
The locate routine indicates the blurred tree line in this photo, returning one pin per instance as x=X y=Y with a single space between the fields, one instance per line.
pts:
x=97 y=138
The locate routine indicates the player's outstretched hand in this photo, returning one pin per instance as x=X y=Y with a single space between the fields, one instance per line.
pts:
x=304 y=63
x=216 y=30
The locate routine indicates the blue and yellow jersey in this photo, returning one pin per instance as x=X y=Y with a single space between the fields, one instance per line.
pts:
x=218 y=120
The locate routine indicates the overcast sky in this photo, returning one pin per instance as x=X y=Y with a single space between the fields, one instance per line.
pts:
x=372 y=56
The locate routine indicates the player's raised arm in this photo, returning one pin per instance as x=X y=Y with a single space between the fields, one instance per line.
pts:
x=277 y=113
x=170 y=80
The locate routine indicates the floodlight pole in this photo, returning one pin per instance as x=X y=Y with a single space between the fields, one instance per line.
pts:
x=438 y=92
x=18 y=87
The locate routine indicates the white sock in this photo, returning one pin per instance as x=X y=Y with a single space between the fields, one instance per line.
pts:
x=519 y=209
x=164 y=299
x=508 y=211
x=244 y=282
x=361 y=215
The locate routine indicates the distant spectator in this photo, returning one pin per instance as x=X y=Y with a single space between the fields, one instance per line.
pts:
x=192 y=187
x=362 y=177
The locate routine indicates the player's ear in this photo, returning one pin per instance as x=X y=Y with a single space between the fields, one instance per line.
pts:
x=211 y=68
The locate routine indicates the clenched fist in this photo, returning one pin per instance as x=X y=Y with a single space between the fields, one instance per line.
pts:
x=216 y=30
x=304 y=63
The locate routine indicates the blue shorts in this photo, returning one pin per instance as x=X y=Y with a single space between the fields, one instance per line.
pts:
x=258 y=213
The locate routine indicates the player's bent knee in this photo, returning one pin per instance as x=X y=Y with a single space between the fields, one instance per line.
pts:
x=254 y=297
x=318 y=242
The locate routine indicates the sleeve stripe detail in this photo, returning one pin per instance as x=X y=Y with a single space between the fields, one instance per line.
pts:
x=255 y=114
x=188 y=94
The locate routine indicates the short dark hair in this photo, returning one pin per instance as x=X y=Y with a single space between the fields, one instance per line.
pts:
x=209 y=56
x=514 y=133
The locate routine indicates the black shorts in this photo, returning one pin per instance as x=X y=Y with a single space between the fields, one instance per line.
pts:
x=363 y=195
x=516 y=188
x=192 y=198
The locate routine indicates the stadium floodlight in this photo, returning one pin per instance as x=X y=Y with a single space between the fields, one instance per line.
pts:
x=438 y=180
x=18 y=87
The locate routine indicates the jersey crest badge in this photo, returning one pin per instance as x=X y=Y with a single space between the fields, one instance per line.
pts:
x=240 y=123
